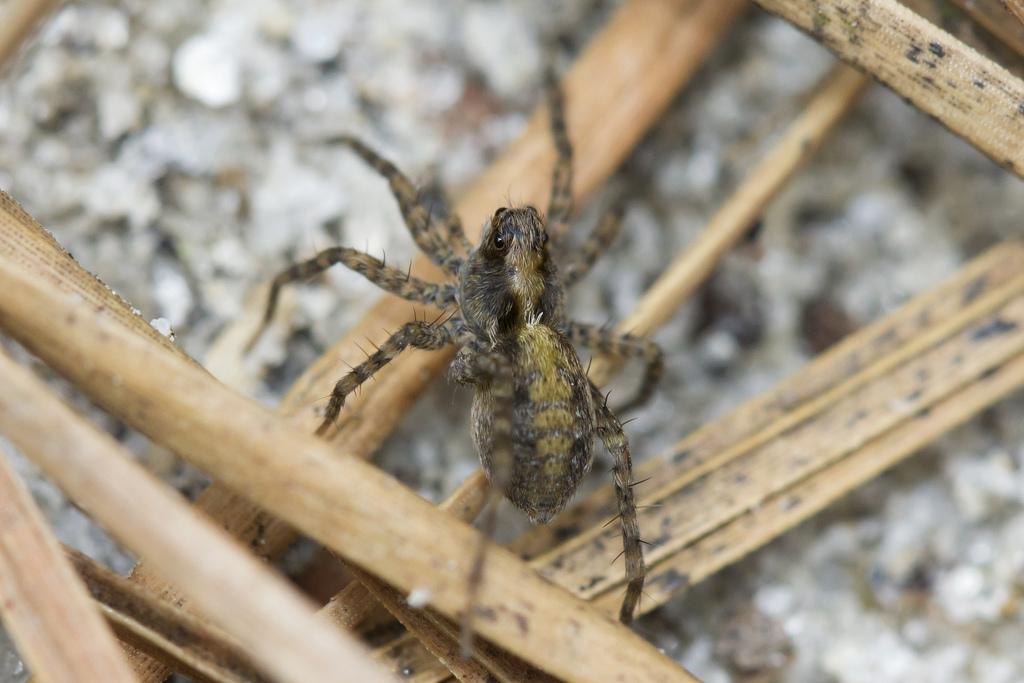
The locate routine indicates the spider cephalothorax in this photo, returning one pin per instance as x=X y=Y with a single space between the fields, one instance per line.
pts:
x=510 y=279
x=536 y=415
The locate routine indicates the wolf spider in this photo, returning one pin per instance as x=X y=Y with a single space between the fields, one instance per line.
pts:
x=536 y=414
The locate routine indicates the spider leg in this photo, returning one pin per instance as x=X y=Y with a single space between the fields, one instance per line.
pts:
x=614 y=439
x=623 y=346
x=387 y=278
x=583 y=257
x=424 y=231
x=560 y=206
x=455 y=235
x=477 y=366
x=419 y=334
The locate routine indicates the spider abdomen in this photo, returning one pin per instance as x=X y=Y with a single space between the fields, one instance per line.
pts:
x=552 y=422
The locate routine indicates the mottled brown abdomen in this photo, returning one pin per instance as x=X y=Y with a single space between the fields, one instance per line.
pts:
x=552 y=424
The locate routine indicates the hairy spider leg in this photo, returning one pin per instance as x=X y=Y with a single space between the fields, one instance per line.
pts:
x=560 y=206
x=626 y=346
x=456 y=236
x=609 y=430
x=418 y=334
x=583 y=257
x=479 y=366
x=390 y=279
x=424 y=231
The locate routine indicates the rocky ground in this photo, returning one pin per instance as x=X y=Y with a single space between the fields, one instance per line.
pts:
x=173 y=147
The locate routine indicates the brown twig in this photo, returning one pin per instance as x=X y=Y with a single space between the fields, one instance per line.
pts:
x=25 y=243
x=426 y=629
x=973 y=96
x=1016 y=7
x=350 y=606
x=44 y=605
x=785 y=509
x=272 y=621
x=19 y=23
x=433 y=631
x=992 y=16
x=163 y=630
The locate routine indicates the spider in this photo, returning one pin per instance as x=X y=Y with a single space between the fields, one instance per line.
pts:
x=536 y=414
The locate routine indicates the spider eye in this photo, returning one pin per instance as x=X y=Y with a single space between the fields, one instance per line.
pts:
x=499 y=242
x=500 y=211
x=542 y=239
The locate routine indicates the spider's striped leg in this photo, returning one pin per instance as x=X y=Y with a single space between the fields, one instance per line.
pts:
x=560 y=207
x=418 y=334
x=424 y=231
x=609 y=429
x=582 y=258
x=620 y=345
x=454 y=233
x=477 y=366
x=390 y=279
